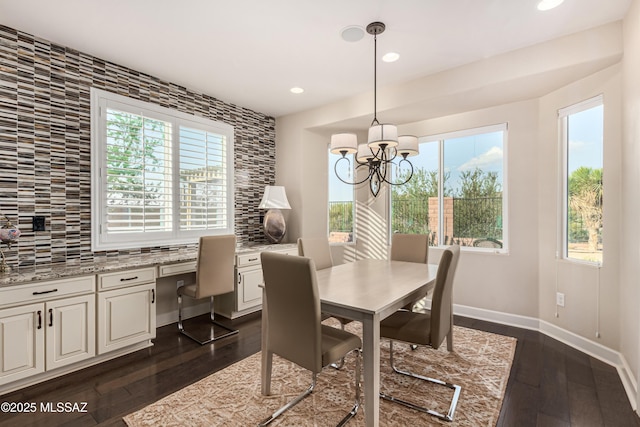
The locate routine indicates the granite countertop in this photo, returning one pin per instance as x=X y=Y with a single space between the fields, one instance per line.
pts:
x=21 y=275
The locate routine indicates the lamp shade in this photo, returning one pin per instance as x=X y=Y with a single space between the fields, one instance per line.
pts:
x=274 y=198
x=408 y=144
x=364 y=153
x=346 y=143
x=383 y=134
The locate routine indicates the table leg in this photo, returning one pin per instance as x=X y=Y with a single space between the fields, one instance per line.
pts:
x=267 y=356
x=371 y=355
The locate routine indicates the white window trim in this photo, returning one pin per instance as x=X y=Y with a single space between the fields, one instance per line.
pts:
x=100 y=241
x=563 y=234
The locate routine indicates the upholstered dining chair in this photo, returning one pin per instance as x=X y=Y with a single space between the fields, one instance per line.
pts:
x=318 y=249
x=294 y=329
x=429 y=329
x=410 y=248
x=214 y=276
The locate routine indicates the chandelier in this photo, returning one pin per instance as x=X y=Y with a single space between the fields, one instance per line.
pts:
x=383 y=150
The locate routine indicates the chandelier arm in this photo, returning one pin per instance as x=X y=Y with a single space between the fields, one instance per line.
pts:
x=335 y=169
x=408 y=178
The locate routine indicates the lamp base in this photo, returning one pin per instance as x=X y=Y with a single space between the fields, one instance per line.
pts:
x=274 y=226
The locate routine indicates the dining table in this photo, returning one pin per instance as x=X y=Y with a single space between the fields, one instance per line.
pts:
x=367 y=291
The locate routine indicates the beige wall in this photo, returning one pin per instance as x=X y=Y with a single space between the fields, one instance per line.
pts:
x=589 y=308
x=629 y=230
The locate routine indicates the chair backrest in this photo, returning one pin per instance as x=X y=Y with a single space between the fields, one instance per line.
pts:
x=410 y=247
x=318 y=249
x=293 y=309
x=214 y=270
x=442 y=300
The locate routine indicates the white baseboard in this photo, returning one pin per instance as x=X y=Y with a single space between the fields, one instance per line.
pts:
x=592 y=348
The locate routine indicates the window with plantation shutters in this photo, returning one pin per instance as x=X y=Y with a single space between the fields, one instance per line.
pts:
x=159 y=176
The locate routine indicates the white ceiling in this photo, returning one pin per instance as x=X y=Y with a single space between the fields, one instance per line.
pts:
x=251 y=52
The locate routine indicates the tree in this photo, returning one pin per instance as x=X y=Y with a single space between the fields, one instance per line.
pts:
x=585 y=199
x=478 y=205
x=410 y=201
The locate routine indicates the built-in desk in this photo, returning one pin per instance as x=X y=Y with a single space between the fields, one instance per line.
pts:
x=58 y=318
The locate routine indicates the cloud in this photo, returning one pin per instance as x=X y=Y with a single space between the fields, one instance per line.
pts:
x=492 y=157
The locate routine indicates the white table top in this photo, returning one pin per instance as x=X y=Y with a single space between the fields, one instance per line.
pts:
x=383 y=283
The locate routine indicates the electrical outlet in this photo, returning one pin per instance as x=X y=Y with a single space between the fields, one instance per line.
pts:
x=38 y=223
x=179 y=283
x=560 y=299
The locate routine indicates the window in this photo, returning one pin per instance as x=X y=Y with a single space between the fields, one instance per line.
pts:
x=158 y=176
x=341 y=206
x=456 y=194
x=582 y=140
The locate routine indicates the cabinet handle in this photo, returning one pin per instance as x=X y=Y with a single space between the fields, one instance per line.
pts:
x=44 y=292
x=153 y=296
x=239 y=279
x=39 y=319
x=126 y=279
x=51 y=317
x=253 y=259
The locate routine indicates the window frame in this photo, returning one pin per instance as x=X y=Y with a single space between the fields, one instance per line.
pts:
x=563 y=181
x=101 y=240
x=440 y=140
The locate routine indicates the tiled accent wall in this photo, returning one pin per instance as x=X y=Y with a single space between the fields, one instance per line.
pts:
x=45 y=145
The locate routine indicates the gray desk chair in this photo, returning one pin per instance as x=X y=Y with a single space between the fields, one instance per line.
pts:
x=318 y=249
x=410 y=248
x=214 y=276
x=427 y=329
x=294 y=328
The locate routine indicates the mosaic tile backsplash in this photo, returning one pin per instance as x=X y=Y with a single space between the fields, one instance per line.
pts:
x=45 y=145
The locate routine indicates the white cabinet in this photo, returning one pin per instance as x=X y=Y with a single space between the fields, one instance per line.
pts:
x=22 y=342
x=126 y=314
x=42 y=336
x=70 y=330
x=247 y=296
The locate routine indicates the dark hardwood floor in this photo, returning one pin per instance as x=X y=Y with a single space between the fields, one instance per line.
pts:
x=551 y=384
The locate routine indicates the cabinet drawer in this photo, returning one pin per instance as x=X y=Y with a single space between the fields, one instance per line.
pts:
x=248 y=259
x=41 y=291
x=293 y=251
x=174 y=269
x=126 y=278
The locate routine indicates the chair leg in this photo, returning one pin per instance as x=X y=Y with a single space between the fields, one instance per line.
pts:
x=356 y=405
x=340 y=364
x=290 y=404
x=454 y=400
x=212 y=336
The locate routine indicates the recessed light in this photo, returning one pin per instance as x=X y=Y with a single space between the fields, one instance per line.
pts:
x=352 y=33
x=296 y=90
x=549 y=4
x=391 y=57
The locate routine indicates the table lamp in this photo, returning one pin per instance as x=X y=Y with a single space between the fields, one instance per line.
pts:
x=274 y=199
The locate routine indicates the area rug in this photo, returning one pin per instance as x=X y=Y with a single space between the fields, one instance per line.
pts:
x=480 y=363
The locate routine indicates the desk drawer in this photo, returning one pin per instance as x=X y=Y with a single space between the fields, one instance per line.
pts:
x=126 y=278
x=50 y=290
x=248 y=259
x=174 y=269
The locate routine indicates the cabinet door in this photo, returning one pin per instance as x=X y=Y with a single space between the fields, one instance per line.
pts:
x=71 y=330
x=21 y=342
x=126 y=316
x=249 y=291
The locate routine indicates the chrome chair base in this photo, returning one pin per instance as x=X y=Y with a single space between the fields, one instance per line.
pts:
x=212 y=336
x=454 y=400
x=352 y=413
